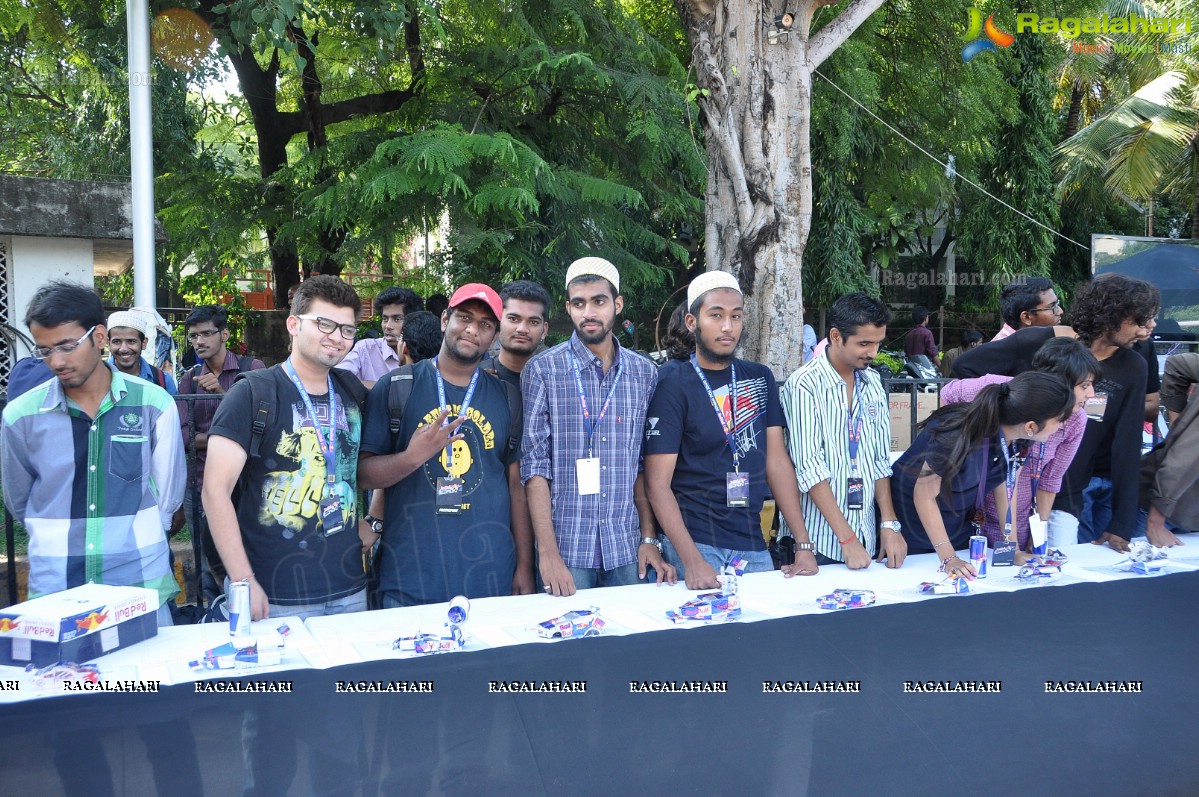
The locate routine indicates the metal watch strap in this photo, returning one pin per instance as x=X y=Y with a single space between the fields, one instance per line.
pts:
x=654 y=541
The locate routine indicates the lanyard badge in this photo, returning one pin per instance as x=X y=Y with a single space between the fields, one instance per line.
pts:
x=332 y=512
x=450 y=489
x=587 y=469
x=736 y=483
x=1004 y=554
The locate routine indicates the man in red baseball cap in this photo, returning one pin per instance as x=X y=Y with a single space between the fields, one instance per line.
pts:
x=448 y=527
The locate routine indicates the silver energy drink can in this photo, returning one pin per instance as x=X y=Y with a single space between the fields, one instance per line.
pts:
x=978 y=554
x=239 y=609
x=459 y=610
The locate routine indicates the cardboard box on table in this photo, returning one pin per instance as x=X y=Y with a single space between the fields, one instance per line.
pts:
x=901 y=416
x=78 y=624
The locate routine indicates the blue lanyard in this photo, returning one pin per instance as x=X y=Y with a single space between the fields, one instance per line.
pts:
x=1036 y=473
x=326 y=440
x=729 y=427
x=1013 y=468
x=587 y=422
x=854 y=429
x=470 y=392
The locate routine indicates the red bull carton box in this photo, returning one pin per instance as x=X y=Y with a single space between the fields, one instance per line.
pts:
x=78 y=624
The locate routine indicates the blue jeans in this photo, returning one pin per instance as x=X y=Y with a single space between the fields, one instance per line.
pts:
x=1096 y=509
x=591 y=577
x=755 y=561
x=350 y=603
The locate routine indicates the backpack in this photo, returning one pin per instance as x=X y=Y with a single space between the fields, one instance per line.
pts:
x=264 y=398
x=400 y=389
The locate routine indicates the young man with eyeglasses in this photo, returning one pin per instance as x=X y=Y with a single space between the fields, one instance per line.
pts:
x=371 y=358
x=213 y=375
x=1029 y=303
x=93 y=461
x=294 y=533
x=448 y=526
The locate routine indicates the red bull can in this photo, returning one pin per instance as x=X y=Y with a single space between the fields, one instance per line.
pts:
x=239 y=609
x=459 y=610
x=978 y=555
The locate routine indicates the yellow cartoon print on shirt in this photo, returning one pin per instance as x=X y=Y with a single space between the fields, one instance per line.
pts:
x=292 y=498
x=478 y=437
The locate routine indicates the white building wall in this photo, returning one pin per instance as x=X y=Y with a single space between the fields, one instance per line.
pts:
x=35 y=261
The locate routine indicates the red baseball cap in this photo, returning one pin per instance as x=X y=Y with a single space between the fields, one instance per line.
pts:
x=478 y=292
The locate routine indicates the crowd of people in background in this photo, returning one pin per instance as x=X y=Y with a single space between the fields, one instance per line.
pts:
x=457 y=455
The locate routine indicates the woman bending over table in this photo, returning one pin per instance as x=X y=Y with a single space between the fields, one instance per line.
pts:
x=966 y=450
x=1040 y=479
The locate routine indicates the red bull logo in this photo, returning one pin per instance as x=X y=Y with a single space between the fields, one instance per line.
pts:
x=92 y=621
x=8 y=624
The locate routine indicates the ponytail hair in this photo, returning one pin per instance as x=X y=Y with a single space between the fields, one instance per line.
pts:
x=1032 y=396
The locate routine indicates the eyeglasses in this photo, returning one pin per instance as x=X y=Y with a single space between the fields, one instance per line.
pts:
x=42 y=352
x=1053 y=308
x=348 y=331
x=207 y=333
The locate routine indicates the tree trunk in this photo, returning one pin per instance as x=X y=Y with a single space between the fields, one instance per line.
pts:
x=756 y=102
x=1074 y=117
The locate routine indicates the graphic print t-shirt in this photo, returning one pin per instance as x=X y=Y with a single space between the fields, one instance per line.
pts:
x=279 y=494
x=682 y=420
x=427 y=557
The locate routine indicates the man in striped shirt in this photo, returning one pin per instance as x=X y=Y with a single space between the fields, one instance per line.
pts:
x=839 y=435
x=93 y=460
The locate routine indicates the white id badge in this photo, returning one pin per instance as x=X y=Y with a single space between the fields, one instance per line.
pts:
x=1038 y=529
x=587 y=470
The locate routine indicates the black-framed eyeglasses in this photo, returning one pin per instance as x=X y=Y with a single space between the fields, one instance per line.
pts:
x=1053 y=308
x=202 y=335
x=42 y=352
x=348 y=331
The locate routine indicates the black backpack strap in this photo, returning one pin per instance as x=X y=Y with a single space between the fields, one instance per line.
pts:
x=516 y=418
x=397 y=396
x=264 y=399
x=245 y=362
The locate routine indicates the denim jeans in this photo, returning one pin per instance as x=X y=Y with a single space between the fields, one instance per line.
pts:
x=755 y=561
x=350 y=603
x=1096 y=509
x=1063 y=529
x=590 y=577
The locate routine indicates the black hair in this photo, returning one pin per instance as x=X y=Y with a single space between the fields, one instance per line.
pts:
x=61 y=302
x=971 y=336
x=587 y=279
x=1021 y=297
x=422 y=334
x=1068 y=358
x=327 y=288
x=855 y=310
x=401 y=296
x=436 y=304
x=1032 y=396
x=203 y=313
x=526 y=291
x=1102 y=305
x=678 y=342
x=919 y=314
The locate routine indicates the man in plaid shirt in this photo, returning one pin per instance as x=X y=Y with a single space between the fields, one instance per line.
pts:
x=93 y=459
x=585 y=402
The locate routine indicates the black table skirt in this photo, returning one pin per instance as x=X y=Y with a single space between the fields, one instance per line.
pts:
x=463 y=739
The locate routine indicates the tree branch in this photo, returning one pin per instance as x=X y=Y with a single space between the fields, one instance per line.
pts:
x=834 y=34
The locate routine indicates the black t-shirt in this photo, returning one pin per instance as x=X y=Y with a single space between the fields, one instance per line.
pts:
x=1153 y=381
x=279 y=493
x=1009 y=356
x=985 y=459
x=427 y=557
x=681 y=420
x=502 y=371
x=1111 y=448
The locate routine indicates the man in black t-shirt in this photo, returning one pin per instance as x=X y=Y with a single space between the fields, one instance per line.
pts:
x=714 y=442
x=523 y=327
x=294 y=532
x=448 y=528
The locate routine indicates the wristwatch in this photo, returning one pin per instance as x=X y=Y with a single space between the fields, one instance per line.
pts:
x=805 y=546
x=654 y=541
x=375 y=524
x=894 y=525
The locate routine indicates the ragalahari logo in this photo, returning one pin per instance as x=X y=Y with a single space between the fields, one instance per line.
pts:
x=983 y=36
